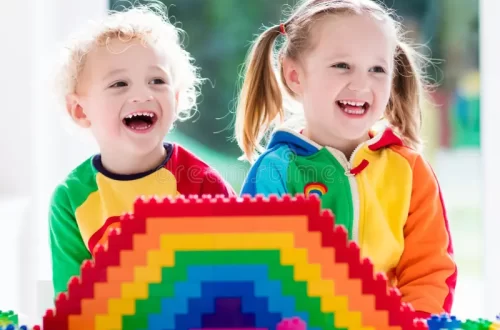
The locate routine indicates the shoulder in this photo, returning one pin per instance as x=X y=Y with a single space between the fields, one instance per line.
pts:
x=274 y=162
x=279 y=156
x=422 y=171
x=79 y=179
x=412 y=156
x=194 y=175
x=268 y=174
x=184 y=160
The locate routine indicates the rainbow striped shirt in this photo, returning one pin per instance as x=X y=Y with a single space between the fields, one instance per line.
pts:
x=385 y=195
x=91 y=200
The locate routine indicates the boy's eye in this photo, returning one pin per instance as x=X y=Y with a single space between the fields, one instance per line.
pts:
x=157 y=81
x=341 y=66
x=118 y=84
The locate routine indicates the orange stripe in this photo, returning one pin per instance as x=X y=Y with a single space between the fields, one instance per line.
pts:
x=297 y=224
x=427 y=242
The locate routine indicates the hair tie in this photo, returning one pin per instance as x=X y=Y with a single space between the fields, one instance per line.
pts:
x=282 y=29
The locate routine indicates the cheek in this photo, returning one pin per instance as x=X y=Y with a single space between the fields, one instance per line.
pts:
x=167 y=102
x=324 y=86
x=383 y=91
x=100 y=105
x=104 y=116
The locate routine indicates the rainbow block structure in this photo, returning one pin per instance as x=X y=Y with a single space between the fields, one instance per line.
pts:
x=233 y=263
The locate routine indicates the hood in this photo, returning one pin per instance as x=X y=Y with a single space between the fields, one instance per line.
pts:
x=303 y=146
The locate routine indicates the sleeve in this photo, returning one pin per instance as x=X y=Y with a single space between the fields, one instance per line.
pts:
x=68 y=251
x=267 y=176
x=427 y=273
x=214 y=184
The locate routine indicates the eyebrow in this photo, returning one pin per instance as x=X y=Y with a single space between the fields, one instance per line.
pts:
x=123 y=70
x=113 y=72
x=334 y=56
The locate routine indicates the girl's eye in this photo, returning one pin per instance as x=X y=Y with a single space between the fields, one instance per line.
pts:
x=378 y=69
x=118 y=84
x=158 y=81
x=341 y=66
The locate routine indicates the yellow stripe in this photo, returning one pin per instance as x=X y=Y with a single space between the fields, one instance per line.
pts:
x=255 y=241
x=494 y=326
x=114 y=198
x=384 y=195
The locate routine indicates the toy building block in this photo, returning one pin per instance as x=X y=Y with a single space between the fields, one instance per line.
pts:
x=7 y=318
x=294 y=323
x=232 y=263
x=174 y=263
x=436 y=322
x=443 y=321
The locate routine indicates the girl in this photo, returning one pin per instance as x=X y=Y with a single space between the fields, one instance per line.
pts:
x=345 y=63
x=127 y=80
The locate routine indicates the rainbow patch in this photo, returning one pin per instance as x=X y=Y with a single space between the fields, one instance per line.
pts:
x=185 y=264
x=315 y=188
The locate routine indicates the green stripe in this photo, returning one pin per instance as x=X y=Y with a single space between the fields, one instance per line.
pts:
x=68 y=250
x=81 y=183
x=323 y=167
x=277 y=271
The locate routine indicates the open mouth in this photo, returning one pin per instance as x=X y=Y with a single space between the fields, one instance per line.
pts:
x=353 y=107
x=140 y=121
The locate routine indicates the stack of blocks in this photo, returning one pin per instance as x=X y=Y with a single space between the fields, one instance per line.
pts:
x=8 y=318
x=238 y=263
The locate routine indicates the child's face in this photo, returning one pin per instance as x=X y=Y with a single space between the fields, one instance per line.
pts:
x=344 y=81
x=125 y=95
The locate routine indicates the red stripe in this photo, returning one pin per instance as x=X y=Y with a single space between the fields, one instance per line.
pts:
x=96 y=237
x=194 y=176
x=451 y=281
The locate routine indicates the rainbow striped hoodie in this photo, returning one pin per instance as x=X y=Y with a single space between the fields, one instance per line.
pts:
x=91 y=200
x=385 y=195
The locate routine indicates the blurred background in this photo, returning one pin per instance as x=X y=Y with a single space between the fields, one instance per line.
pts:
x=39 y=147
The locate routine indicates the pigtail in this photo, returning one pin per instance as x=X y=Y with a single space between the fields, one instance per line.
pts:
x=260 y=99
x=404 y=108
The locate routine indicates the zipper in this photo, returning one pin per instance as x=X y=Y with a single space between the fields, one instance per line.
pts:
x=348 y=166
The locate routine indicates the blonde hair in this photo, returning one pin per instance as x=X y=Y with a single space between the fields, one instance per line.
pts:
x=261 y=97
x=147 y=23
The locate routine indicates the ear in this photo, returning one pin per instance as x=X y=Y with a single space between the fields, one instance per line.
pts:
x=75 y=110
x=292 y=75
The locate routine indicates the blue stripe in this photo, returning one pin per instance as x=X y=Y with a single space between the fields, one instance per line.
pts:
x=299 y=146
x=269 y=173
x=187 y=291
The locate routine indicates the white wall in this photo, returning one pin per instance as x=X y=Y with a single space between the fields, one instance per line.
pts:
x=37 y=151
x=490 y=119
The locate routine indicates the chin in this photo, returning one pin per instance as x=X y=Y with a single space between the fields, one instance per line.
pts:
x=354 y=134
x=145 y=146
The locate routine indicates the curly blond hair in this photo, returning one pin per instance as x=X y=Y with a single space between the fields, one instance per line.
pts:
x=148 y=23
